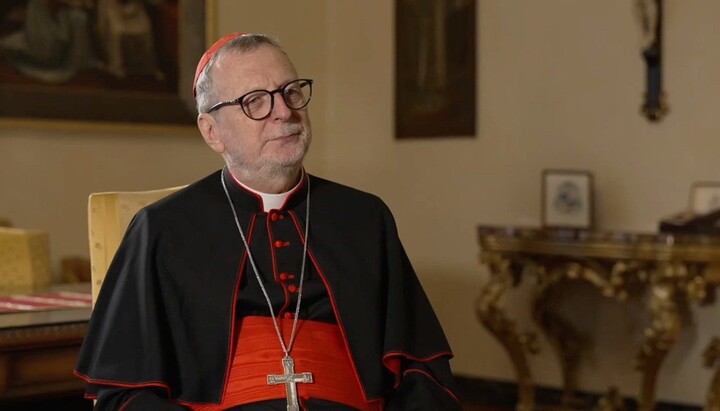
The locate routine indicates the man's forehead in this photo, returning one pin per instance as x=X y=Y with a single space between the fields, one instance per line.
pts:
x=252 y=65
x=257 y=56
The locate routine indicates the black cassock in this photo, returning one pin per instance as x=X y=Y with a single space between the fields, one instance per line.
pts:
x=181 y=278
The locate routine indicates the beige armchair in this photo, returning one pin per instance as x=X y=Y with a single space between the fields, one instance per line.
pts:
x=109 y=215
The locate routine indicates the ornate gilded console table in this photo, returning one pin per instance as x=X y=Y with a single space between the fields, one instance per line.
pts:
x=675 y=271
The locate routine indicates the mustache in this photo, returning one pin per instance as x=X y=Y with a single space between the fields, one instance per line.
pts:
x=288 y=129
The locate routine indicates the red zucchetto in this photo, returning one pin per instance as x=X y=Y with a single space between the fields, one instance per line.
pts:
x=208 y=55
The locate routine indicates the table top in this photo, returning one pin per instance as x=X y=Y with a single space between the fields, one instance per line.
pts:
x=600 y=244
x=47 y=317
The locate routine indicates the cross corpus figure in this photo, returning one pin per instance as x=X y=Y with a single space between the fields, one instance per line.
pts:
x=655 y=106
x=290 y=379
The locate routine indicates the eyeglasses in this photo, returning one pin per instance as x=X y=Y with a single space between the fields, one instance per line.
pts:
x=258 y=104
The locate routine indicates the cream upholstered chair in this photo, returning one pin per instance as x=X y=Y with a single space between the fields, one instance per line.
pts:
x=109 y=215
x=24 y=258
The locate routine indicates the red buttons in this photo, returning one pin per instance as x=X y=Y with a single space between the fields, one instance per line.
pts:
x=280 y=244
x=274 y=217
x=292 y=289
x=289 y=316
x=286 y=276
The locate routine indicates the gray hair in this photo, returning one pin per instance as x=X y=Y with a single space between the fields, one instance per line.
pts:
x=206 y=92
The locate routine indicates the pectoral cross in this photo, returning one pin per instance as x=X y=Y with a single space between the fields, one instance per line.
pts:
x=290 y=379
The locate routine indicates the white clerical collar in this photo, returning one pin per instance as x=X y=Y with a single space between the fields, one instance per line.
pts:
x=271 y=201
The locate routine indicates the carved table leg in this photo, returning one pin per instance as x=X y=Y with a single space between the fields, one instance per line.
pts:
x=492 y=315
x=660 y=336
x=711 y=357
x=567 y=342
x=611 y=401
x=4 y=372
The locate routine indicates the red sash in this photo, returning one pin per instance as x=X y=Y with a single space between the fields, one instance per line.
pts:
x=319 y=349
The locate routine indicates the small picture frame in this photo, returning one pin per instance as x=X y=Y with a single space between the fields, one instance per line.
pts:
x=567 y=199
x=704 y=197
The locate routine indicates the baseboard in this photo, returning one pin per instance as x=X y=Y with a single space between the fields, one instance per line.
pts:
x=504 y=394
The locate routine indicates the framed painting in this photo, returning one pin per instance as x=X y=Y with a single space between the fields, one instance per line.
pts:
x=103 y=61
x=567 y=199
x=435 y=68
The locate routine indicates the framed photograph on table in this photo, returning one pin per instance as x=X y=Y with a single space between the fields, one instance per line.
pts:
x=567 y=199
x=704 y=197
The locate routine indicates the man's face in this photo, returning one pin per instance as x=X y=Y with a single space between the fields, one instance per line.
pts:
x=266 y=146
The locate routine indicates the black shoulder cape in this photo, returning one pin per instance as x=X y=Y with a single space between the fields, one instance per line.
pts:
x=165 y=311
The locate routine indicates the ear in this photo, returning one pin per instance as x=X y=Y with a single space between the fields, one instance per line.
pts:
x=209 y=130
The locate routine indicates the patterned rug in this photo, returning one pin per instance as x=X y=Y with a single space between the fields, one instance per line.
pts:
x=44 y=301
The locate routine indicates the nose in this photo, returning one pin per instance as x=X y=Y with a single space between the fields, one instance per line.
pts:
x=280 y=110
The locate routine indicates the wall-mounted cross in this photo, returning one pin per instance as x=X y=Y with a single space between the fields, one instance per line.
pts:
x=655 y=106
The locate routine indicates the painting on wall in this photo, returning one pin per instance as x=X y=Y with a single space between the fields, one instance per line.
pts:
x=113 y=61
x=435 y=68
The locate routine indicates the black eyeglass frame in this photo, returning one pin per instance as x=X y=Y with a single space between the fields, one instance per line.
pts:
x=281 y=90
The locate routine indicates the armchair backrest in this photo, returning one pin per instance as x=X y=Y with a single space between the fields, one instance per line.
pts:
x=109 y=215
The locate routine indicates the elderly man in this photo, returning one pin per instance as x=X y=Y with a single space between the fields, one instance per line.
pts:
x=261 y=287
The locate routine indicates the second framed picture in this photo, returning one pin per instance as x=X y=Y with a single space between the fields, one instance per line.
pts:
x=704 y=197
x=567 y=199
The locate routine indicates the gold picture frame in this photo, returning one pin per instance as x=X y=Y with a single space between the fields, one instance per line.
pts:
x=98 y=92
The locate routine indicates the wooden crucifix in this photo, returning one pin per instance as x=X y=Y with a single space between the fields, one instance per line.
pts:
x=655 y=106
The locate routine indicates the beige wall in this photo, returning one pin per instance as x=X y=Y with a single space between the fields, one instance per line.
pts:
x=560 y=83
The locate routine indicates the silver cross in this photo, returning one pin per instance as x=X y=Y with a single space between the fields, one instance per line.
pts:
x=290 y=379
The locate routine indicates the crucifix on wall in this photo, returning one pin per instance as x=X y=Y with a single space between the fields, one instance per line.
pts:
x=651 y=14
